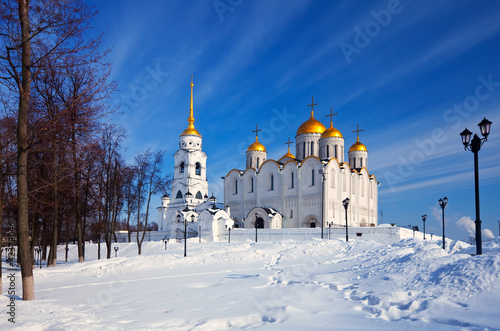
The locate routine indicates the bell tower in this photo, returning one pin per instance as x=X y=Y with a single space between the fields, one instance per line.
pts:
x=190 y=170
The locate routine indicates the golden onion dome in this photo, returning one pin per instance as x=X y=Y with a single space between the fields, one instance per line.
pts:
x=256 y=146
x=288 y=154
x=331 y=132
x=358 y=147
x=312 y=125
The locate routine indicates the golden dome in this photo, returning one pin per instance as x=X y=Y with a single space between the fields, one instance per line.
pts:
x=358 y=147
x=331 y=132
x=312 y=125
x=256 y=146
x=288 y=154
x=190 y=132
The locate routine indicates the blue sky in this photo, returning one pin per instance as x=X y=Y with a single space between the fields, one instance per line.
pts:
x=412 y=74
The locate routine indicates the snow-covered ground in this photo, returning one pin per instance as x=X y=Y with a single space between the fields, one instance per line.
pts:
x=286 y=285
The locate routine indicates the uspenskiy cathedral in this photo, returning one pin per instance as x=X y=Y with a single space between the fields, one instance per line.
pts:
x=295 y=191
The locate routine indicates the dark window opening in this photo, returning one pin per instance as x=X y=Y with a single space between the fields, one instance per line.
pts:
x=198 y=168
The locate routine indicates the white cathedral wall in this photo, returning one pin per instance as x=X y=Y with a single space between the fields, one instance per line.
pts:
x=302 y=204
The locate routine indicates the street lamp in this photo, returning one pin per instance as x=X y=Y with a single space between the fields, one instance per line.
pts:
x=345 y=202
x=322 y=200
x=165 y=240
x=256 y=226
x=443 y=203
x=116 y=251
x=329 y=227
x=475 y=146
x=424 y=217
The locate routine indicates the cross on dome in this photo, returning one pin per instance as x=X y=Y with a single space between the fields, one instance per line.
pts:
x=357 y=131
x=331 y=116
x=289 y=143
x=257 y=132
x=312 y=106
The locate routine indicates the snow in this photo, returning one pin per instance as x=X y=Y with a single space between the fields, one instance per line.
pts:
x=285 y=285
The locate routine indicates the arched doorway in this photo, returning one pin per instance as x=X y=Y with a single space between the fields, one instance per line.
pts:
x=313 y=225
x=259 y=223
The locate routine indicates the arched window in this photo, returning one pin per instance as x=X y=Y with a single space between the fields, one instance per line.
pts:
x=336 y=153
x=304 y=150
x=179 y=195
x=292 y=180
x=236 y=186
x=181 y=168
x=312 y=177
x=198 y=168
x=291 y=213
x=199 y=196
x=251 y=184
x=327 y=151
x=361 y=162
x=312 y=148
x=272 y=182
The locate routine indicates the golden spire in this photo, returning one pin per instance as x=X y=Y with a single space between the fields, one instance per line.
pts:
x=190 y=129
x=191 y=118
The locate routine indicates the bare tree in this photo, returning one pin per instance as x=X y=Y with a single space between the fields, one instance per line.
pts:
x=32 y=34
x=148 y=181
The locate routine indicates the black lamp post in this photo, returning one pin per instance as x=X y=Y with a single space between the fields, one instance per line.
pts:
x=116 y=251
x=329 y=227
x=256 y=226
x=443 y=203
x=475 y=146
x=322 y=200
x=424 y=217
x=165 y=240
x=229 y=229
x=345 y=202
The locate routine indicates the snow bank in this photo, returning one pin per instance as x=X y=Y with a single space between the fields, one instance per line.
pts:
x=286 y=285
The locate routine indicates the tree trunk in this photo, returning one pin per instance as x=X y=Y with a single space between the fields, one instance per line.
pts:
x=22 y=157
x=78 y=215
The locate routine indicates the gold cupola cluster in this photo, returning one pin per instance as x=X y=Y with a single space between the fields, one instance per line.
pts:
x=191 y=131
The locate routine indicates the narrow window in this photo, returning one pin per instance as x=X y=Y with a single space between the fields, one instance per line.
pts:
x=292 y=180
x=179 y=195
x=181 y=168
x=304 y=150
x=272 y=182
x=258 y=161
x=312 y=147
x=327 y=151
x=291 y=213
x=312 y=177
x=235 y=186
x=354 y=165
x=336 y=155
x=251 y=184
x=198 y=169
x=361 y=162
x=199 y=196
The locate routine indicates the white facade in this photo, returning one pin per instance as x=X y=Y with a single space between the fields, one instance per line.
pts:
x=305 y=190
